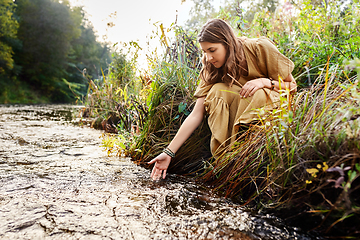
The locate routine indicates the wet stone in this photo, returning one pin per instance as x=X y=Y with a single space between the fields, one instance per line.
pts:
x=56 y=182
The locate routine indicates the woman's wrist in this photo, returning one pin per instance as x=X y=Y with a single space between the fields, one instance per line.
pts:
x=272 y=84
x=168 y=152
x=268 y=83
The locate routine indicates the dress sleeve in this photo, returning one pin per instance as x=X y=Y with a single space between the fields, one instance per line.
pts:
x=271 y=62
x=202 y=89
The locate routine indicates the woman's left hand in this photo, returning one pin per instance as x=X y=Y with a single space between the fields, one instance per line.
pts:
x=249 y=88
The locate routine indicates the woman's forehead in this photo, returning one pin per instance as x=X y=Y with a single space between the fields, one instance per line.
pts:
x=208 y=45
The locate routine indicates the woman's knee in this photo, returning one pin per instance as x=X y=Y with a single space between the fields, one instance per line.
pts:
x=217 y=88
x=223 y=91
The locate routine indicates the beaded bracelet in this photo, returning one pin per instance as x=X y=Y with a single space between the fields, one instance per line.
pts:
x=272 y=84
x=169 y=152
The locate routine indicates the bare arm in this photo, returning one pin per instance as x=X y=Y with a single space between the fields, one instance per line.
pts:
x=252 y=86
x=162 y=161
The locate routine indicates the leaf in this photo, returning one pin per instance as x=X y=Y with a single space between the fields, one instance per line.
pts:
x=357 y=166
x=122 y=145
x=229 y=91
x=182 y=107
x=291 y=116
x=122 y=137
x=119 y=90
x=125 y=94
x=352 y=175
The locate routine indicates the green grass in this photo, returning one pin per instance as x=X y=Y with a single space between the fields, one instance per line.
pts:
x=13 y=91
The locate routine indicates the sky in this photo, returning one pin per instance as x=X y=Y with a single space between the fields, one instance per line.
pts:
x=134 y=19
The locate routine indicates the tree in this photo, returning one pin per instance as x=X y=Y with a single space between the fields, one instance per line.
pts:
x=203 y=10
x=8 y=30
x=46 y=30
x=87 y=57
x=199 y=14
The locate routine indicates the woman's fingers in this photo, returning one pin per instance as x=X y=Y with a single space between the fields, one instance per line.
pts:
x=152 y=172
x=248 y=91
x=161 y=164
x=156 y=171
x=251 y=87
x=253 y=91
x=155 y=174
x=152 y=161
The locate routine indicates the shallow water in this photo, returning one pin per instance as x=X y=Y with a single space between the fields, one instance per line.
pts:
x=58 y=183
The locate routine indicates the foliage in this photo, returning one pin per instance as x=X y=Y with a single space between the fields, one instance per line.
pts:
x=15 y=91
x=169 y=101
x=199 y=14
x=203 y=10
x=48 y=51
x=8 y=30
x=123 y=70
x=46 y=29
x=310 y=35
x=115 y=105
x=86 y=56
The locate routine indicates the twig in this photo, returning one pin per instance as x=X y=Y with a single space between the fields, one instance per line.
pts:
x=234 y=80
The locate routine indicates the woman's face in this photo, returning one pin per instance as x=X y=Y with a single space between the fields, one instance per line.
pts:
x=215 y=53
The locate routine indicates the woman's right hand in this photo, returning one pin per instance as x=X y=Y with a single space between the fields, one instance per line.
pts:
x=162 y=162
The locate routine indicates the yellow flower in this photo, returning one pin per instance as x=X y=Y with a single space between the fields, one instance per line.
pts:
x=325 y=166
x=312 y=171
x=308 y=181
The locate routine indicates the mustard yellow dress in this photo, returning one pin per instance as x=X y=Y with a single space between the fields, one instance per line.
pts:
x=226 y=109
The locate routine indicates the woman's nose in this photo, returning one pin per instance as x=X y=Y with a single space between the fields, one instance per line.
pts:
x=209 y=57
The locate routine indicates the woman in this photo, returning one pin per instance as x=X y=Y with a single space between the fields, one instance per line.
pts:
x=238 y=76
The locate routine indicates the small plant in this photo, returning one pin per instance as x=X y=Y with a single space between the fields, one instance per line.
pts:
x=114 y=144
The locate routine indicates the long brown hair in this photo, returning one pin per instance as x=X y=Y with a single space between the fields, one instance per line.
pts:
x=218 y=31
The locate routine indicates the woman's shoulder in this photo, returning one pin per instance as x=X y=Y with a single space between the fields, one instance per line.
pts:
x=256 y=42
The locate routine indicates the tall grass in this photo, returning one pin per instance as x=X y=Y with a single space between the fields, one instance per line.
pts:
x=296 y=152
x=170 y=100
